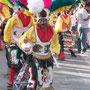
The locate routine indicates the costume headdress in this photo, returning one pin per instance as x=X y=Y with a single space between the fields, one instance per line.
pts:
x=46 y=16
x=6 y=2
x=57 y=4
x=20 y=3
x=36 y=6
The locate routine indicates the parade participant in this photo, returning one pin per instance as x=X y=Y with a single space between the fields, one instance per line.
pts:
x=5 y=15
x=0 y=33
x=4 y=11
x=16 y=27
x=63 y=25
x=42 y=38
x=0 y=38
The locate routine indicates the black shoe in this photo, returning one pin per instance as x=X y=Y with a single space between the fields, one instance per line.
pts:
x=79 y=52
x=72 y=53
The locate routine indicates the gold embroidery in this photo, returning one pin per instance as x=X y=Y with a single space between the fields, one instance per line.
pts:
x=26 y=75
x=42 y=56
x=69 y=40
x=49 y=88
x=37 y=48
x=66 y=34
x=47 y=47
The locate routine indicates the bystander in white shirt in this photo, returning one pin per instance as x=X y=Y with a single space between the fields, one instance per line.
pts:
x=83 y=14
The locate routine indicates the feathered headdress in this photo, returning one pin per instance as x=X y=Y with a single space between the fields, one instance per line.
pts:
x=47 y=14
x=56 y=4
x=12 y=2
x=21 y=3
x=47 y=3
x=6 y=2
x=24 y=2
x=36 y=6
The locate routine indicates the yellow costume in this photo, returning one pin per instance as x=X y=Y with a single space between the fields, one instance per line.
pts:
x=42 y=40
x=32 y=38
x=5 y=12
x=6 y=2
x=62 y=27
x=42 y=54
x=59 y=24
x=51 y=19
x=4 y=16
x=9 y=27
x=28 y=13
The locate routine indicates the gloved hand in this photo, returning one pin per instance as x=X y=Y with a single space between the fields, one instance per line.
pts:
x=26 y=47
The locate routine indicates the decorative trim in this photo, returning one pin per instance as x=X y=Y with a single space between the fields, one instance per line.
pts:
x=43 y=56
x=49 y=88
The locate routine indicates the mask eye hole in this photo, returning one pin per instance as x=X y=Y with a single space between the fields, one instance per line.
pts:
x=23 y=33
x=15 y=33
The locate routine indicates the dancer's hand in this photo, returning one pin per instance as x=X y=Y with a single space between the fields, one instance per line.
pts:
x=26 y=40
x=54 y=54
x=8 y=45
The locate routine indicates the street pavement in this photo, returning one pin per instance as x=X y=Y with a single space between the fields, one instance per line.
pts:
x=73 y=73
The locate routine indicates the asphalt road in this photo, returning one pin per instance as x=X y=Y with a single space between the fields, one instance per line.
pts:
x=73 y=74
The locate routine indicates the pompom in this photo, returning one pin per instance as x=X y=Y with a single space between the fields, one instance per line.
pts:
x=35 y=6
x=47 y=3
x=23 y=2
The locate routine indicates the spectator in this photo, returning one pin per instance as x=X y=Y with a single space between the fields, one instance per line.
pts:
x=83 y=21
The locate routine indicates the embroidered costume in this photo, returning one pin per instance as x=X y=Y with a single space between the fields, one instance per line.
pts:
x=62 y=27
x=40 y=67
x=14 y=29
x=4 y=16
x=0 y=39
x=41 y=57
